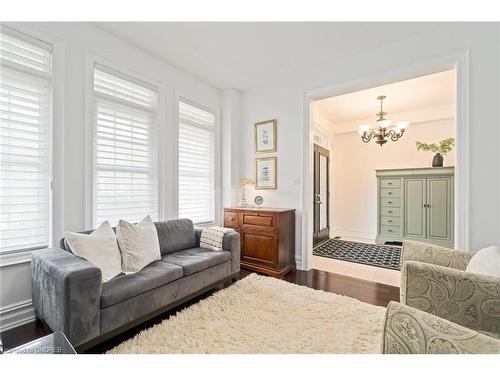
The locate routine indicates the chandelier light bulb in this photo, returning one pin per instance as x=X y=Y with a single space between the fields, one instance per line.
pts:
x=364 y=129
x=402 y=125
x=384 y=123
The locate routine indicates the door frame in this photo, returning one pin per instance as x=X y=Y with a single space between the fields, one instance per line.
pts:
x=460 y=63
x=322 y=150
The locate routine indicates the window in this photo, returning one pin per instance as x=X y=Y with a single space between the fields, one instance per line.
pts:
x=125 y=169
x=196 y=163
x=25 y=132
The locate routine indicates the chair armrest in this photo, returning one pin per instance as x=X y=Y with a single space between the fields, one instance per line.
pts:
x=466 y=298
x=66 y=293
x=441 y=256
x=411 y=331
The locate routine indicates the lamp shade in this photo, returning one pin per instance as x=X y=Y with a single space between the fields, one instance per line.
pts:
x=246 y=181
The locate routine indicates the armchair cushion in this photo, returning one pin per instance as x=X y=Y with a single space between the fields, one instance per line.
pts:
x=411 y=331
x=468 y=299
x=441 y=256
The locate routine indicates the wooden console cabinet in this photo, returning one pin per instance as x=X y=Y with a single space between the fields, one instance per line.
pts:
x=267 y=238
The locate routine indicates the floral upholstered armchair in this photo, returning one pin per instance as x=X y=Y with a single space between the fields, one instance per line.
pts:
x=443 y=308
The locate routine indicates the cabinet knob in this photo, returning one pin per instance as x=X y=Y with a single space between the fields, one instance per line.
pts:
x=390 y=221
x=389 y=230
x=390 y=193
x=390 y=183
x=390 y=211
x=389 y=202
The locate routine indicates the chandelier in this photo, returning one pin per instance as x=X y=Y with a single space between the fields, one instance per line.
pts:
x=382 y=132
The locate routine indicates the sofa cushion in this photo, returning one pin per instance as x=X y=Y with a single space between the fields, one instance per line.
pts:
x=128 y=286
x=196 y=259
x=175 y=235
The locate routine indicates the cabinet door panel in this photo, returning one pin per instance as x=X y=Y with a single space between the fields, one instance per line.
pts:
x=414 y=210
x=440 y=209
x=259 y=248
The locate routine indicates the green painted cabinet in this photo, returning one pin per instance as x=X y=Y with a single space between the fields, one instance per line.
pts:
x=415 y=204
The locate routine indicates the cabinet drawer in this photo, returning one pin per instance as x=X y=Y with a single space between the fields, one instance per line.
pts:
x=391 y=231
x=390 y=202
x=390 y=211
x=389 y=193
x=392 y=221
x=258 y=220
x=230 y=219
x=389 y=184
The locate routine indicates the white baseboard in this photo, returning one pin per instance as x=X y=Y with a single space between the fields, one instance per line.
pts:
x=16 y=314
x=341 y=232
x=298 y=263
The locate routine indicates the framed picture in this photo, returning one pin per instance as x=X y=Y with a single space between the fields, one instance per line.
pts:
x=265 y=173
x=265 y=136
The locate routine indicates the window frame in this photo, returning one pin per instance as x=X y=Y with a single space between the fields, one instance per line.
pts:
x=56 y=142
x=91 y=61
x=217 y=157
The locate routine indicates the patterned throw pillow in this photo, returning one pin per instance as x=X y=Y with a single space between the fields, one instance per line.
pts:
x=99 y=248
x=212 y=237
x=138 y=244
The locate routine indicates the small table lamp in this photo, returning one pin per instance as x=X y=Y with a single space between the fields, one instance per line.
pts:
x=244 y=182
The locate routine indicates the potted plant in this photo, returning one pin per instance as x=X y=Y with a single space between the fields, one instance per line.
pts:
x=441 y=149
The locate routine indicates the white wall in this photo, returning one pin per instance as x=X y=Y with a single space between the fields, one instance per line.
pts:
x=80 y=39
x=353 y=182
x=284 y=101
x=230 y=143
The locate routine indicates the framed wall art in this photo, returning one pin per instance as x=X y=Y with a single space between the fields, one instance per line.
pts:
x=265 y=136
x=265 y=173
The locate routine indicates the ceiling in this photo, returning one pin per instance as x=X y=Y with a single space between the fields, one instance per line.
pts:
x=248 y=55
x=418 y=94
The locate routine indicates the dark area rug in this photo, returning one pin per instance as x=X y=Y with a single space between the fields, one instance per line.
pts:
x=358 y=252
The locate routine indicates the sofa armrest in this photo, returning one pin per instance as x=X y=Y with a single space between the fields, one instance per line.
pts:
x=411 y=331
x=231 y=242
x=441 y=256
x=468 y=299
x=66 y=293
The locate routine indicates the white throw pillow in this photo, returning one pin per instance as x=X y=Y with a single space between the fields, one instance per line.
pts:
x=485 y=262
x=138 y=244
x=99 y=248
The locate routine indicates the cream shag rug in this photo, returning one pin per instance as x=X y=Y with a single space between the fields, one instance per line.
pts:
x=264 y=315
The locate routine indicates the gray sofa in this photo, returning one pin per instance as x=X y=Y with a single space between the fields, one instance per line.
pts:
x=68 y=294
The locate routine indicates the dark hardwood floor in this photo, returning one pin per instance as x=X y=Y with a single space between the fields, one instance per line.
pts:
x=366 y=291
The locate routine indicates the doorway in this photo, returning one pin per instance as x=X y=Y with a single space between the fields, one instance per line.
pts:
x=321 y=196
x=361 y=169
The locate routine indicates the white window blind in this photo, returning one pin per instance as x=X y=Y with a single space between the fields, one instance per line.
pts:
x=196 y=163
x=25 y=131
x=125 y=173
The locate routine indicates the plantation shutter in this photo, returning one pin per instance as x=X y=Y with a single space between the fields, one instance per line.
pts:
x=125 y=173
x=25 y=132
x=196 y=163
